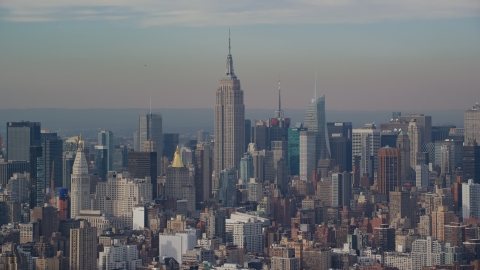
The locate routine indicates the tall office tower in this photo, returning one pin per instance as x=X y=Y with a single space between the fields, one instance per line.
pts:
x=315 y=120
x=286 y=259
x=227 y=191
x=83 y=247
x=203 y=136
x=426 y=252
x=282 y=176
x=120 y=158
x=308 y=160
x=151 y=129
x=263 y=169
x=261 y=135
x=341 y=189
x=229 y=121
x=472 y=125
x=49 y=166
x=279 y=125
x=170 y=143
x=395 y=115
x=448 y=155
x=119 y=194
x=384 y=237
x=203 y=172
x=471 y=162
x=248 y=133
x=246 y=168
x=441 y=133
x=142 y=164
x=294 y=148
x=68 y=159
x=366 y=142
x=7 y=169
x=179 y=183
x=470 y=199
x=105 y=138
x=80 y=193
x=101 y=161
x=20 y=137
x=136 y=141
x=403 y=144
x=415 y=136
x=340 y=137
x=423 y=122
x=280 y=150
x=1 y=146
x=389 y=168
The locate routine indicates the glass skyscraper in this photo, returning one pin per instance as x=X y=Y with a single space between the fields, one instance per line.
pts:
x=315 y=120
x=294 y=148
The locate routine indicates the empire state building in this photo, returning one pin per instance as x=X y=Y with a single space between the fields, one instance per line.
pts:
x=229 y=122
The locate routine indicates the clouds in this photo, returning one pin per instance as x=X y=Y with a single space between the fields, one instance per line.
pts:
x=245 y=12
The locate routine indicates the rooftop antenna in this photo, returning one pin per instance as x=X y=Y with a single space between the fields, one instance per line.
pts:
x=279 y=113
x=229 y=41
x=150 y=101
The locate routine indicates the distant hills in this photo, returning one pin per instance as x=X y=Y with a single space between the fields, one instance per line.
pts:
x=124 y=122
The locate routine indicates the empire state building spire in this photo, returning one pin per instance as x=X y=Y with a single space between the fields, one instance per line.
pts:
x=229 y=72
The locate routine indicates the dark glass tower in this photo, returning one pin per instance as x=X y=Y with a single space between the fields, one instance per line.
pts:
x=20 y=137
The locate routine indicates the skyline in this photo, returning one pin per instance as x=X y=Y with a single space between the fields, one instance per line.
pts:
x=363 y=64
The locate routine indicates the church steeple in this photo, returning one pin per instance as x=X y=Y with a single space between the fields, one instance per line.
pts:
x=229 y=72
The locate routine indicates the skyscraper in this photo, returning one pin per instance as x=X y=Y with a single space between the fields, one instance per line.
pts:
x=49 y=162
x=83 y=247
x=179 y=183
x=389 y=170
x=340 y=138
x=80 y=183
x=105 y=138
x=170 y=143
x=229 y=121
x=365 y=144
x=203 y=172
x=20 y=137
x=151 y=129
x=294 y=148
x=315 y=120
x=403 y=144
x=142 y=164
x=471 y=162
x=415 y=136
x=308 y=161
x=472 y=124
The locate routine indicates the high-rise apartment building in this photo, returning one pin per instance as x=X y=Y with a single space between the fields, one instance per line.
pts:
x=440 y=218
x=315 y=120
x=20 y=137
x=83 y=247
x=229 y=121
x=472 y=125
x=286 y=259
x=470 y=199
x=227 y=191
x=415 y=137
x=308 y=160
x=426 y=252
x=389 y=168
x=424 y=123
x=365 y=144
x=384 y=237
x=80 y=185
x=340 y=138
x=150 y=128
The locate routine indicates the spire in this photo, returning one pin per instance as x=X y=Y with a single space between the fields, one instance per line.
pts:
x=229 y=72
x=177 y=159
x=150 y=101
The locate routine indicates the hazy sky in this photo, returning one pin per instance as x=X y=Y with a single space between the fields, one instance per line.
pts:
x=370 y=54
